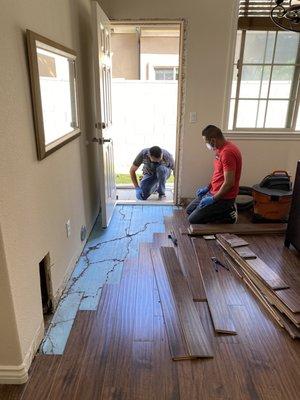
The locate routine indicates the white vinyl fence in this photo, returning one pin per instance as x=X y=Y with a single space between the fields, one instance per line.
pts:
x=144 y=115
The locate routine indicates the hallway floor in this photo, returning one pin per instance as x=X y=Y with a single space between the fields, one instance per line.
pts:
x=117 y=347
x=102 y=263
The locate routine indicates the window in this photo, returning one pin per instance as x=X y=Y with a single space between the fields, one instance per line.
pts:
x=53 y=81
x=166 y=73
x=265 y=93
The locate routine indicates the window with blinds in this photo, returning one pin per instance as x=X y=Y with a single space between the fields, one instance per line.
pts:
x=265 y=92
x=255 y=14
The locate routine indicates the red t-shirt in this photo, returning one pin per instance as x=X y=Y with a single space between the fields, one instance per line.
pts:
x=228 y=158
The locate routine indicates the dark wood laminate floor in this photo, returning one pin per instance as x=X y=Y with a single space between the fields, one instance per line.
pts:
x=111 y=354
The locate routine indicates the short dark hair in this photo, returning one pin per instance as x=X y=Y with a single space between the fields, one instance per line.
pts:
x=212 y=131
x=155 y=151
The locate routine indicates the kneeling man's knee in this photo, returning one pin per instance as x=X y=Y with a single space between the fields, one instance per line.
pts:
x=161 y=170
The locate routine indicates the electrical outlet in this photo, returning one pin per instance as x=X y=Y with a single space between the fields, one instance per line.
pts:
x=193 y=117
x=68 y=228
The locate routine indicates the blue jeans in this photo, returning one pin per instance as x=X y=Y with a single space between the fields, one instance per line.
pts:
x=222 y=211
x=155 y=182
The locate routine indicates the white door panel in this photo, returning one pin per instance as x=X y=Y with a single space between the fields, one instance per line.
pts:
x=103 y=123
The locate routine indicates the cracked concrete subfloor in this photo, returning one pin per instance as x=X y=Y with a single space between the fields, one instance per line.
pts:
x=100 y=263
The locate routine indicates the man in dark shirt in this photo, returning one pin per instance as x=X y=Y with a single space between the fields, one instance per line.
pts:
x=216 y=201
x=157 y=166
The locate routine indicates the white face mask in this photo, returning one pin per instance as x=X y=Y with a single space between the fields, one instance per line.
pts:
x=209 y=146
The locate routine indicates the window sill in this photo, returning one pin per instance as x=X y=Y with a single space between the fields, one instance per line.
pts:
x=274 y=136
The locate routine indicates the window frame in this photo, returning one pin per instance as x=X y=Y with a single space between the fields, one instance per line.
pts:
x=175 y=70
x=293 y=107
x=35 y=41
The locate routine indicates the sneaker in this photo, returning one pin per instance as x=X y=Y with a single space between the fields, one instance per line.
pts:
x=161 y=196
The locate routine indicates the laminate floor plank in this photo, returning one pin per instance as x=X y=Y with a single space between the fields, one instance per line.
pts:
x=187 y=258
x=196 y=339
x=142 y=381
x=238 y=229
x=119 y=366
x=290 y=298
x=68 y=372
x=161 y=239
x=176 y=339
x=143 y=326
x=264 y=272
x=231 y=287
x=166 y=384
x=39 y=385
x=234 y=241
x=94 y=361
x=11 y=392
x=215 y=297
x=245 y=252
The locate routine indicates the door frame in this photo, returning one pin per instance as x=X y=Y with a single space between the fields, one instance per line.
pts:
x=181 y=96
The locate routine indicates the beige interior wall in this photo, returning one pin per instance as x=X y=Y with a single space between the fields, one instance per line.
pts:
x=159 y=45
x=125 y=60
x=38 y=197
x=208 y=42
x=10 y=351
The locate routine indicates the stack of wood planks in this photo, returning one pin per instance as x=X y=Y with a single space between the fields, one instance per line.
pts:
x=279 y=298
x=186 y=275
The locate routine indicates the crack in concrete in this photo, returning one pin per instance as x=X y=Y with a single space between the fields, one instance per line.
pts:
x=48 y=337
x=127 y=235
x=52 y=346
x=123 y=215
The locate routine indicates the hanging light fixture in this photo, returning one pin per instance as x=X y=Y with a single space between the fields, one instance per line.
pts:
x=286 y=15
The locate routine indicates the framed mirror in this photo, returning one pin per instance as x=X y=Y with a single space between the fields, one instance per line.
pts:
x=54 y=94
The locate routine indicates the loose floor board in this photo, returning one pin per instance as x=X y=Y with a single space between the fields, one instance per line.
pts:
x=215 y=298
x=195 y=336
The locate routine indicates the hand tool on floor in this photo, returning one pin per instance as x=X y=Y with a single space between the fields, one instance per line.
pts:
x=171 y=236
x=218 y=263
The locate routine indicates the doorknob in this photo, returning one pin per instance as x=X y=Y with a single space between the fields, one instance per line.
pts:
x=101 y=140
x=100 y=125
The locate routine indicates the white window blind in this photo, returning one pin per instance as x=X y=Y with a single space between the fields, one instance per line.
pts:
x=255 y=14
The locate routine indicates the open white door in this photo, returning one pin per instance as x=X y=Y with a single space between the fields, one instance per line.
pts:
x=103 y=114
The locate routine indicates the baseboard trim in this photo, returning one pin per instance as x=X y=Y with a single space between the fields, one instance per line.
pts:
x=13 y=374
x=18 y=374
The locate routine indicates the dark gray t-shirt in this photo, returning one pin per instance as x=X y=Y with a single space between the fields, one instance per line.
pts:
x=149 y=167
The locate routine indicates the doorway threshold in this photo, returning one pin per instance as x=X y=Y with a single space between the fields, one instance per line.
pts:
x=146 y=202
x=127 y=196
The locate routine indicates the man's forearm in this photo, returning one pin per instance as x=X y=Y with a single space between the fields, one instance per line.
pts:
x=222 y=191
x=134 y=179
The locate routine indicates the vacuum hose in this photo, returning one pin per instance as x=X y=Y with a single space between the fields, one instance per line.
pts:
x=244 y=205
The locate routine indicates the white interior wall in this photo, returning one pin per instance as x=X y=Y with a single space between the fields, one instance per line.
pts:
x=38 y=197
x=208 y=47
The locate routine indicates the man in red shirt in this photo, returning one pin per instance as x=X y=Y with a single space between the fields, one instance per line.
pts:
x=216 y=201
